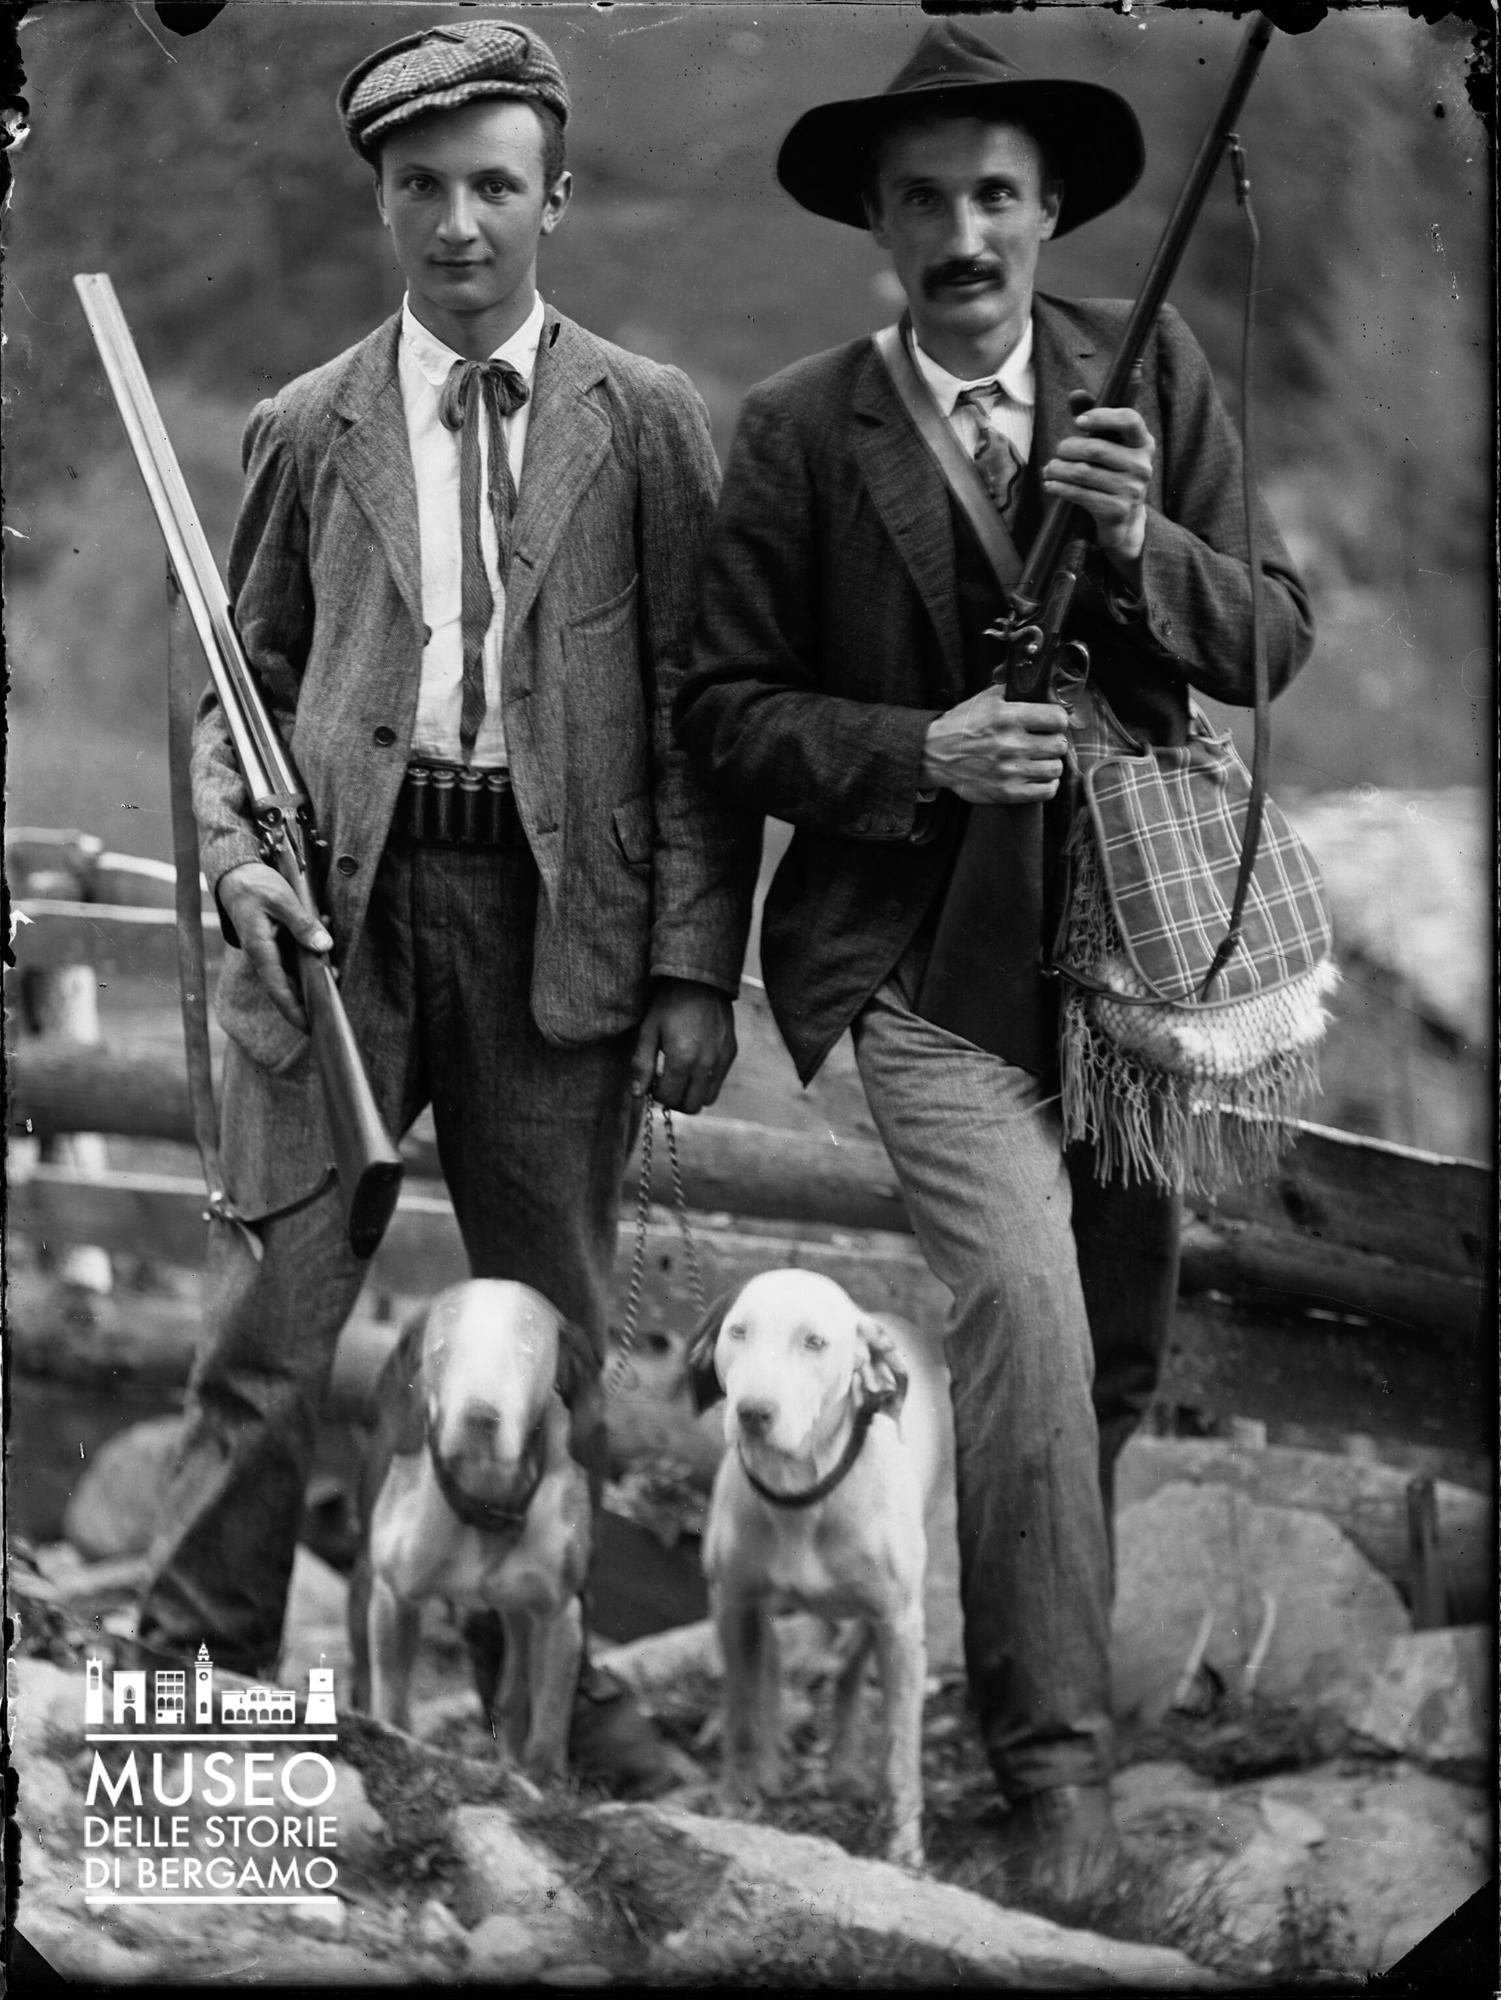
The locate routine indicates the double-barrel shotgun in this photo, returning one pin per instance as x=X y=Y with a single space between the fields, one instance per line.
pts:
x=366 y=1165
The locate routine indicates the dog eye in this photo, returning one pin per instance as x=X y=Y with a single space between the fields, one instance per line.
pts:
x=735 y=1332
x=816 y=1341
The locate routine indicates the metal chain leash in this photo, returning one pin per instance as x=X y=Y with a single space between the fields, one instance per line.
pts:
x=619 y=1369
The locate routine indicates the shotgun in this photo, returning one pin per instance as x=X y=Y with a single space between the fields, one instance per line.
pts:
x=1032 y=629
x=977 y=933
x=367 y=1165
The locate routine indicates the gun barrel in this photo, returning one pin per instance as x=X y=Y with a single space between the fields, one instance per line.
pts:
x=1056 y=522
x=268 y=774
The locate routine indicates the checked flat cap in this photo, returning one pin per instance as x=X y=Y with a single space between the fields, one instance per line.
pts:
x=444 y=67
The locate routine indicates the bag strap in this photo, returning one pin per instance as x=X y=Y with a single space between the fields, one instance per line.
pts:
x=1261 y=689
x=958 y=469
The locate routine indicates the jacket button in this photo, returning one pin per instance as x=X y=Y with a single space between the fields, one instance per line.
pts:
x=346 y=864
x=385 y=736
x=862 y=824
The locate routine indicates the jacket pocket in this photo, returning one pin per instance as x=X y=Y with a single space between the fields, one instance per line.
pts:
x=635 y=830
x=247 y=1014
x=603 y=618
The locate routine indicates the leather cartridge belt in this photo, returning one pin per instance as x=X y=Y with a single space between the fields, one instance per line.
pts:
x=451 y=802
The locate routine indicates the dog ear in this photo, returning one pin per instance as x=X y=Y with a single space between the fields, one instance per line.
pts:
x=577 y=1363
x=703 y=1378
x=882 y=1372
x=401 y=1393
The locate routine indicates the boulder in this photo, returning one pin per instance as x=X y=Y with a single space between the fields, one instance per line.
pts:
x=437 y=1928
x=326 y=1919
x=1189 y=1549
x=503 y=1872
x=112 y=1511
x=751 y=1900
x=1340 y=1868
x=502 y=1949
x=1432 y=1699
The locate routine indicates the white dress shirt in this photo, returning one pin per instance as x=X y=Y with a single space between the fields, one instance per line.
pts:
x=423 y=365
x=1010 y=407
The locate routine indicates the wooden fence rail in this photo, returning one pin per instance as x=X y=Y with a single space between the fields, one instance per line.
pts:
x=1353 y=1223
x=1276 y=1276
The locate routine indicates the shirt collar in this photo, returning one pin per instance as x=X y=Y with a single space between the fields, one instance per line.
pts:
x=434 y=358
x=1016 y=378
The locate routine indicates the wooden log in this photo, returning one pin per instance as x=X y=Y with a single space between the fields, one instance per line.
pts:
x=114 y=939
x=135 y=1091
x=1249 y=1258
x=1368 y=1194
x=1323 y=1378
x=725 y=1166
x=1339 y=1251
x=728 y=1164
x=1366 y=1500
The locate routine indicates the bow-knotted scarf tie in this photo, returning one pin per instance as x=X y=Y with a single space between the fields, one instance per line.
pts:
x=497 y=386
x=995 y=457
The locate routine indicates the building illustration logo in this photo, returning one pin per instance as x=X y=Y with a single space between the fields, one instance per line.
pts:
x=268 y=1708
x=272 y=1845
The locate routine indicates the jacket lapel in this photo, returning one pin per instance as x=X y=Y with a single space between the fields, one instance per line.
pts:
x=566 y=443
x=1064 y=358
x=909 y=495
x=374 y=459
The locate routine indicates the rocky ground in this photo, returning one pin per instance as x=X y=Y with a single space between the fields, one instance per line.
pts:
x=1270 y=1840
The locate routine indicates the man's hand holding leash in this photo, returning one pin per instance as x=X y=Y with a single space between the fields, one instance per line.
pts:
x=686 y=1044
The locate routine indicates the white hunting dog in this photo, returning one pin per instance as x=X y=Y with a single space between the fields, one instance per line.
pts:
x=818 y=1506
x=469 y=1493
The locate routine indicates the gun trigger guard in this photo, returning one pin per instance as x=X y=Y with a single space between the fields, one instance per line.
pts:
x=222 y=1209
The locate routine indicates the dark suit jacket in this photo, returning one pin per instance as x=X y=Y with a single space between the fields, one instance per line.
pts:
x=643 y=873
x=829 y=632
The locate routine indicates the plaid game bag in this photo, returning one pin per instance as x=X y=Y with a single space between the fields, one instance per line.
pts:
x=1172 y=1085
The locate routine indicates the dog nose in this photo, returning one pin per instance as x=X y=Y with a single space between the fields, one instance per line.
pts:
x=754 y=1418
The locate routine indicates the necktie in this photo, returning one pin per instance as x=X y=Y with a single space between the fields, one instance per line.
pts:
x=995 y=459
x=495 y=386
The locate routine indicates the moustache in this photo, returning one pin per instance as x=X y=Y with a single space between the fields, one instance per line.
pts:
x=961 y=270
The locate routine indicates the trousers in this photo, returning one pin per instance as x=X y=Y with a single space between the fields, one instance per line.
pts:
x=533 y=1141
x=976 y=1144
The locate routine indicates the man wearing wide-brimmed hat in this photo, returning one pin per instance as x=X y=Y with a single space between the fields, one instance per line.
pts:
x=842 y=681
x=463 y=571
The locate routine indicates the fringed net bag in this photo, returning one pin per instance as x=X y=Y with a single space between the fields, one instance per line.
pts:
x=1174 y=1083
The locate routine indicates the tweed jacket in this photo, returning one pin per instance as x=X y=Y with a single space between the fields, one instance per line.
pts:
x=642 y=874
x=829 y=632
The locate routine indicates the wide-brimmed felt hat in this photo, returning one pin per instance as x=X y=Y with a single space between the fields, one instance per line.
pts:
x=1091 y=135
x=442 y=68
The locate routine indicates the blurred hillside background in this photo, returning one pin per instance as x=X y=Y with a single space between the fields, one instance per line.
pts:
x=210 y=178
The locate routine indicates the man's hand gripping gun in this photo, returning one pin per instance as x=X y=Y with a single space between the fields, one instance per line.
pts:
x=367 y=1165
x=1039 y=664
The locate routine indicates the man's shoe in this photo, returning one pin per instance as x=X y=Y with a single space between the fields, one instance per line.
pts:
x=1062 y=1843
x=611 y=1743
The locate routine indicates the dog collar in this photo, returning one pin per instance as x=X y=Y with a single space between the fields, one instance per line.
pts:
x=487 y=1515
x=825 y=1486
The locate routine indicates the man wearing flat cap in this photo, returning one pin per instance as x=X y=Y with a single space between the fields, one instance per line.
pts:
x=842 y=680
x=463 y=572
